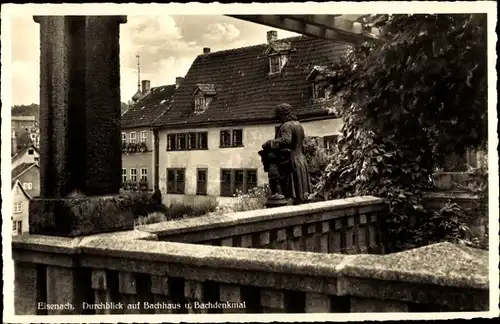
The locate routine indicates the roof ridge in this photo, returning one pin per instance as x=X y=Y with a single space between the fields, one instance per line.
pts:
x=236 y=49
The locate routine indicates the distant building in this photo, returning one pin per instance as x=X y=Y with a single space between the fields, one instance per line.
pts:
x=25 y=131
x=28 y=174
x=29 y=155
x=137 y=135
x=20 y=208
x=223 y=111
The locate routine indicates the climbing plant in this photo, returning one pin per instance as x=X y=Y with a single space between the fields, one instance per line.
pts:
x=407 y=103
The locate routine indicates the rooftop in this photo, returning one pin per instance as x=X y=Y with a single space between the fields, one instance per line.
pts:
x=244 y=89
x=147 y=109
x=20 y=169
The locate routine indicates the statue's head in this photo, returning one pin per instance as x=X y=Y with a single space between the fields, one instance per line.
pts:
x=284 y=113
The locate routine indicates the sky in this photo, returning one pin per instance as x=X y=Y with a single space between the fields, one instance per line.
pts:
x=167 y=46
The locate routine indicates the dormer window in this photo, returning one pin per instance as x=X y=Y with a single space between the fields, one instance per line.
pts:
x=199 y=104
x=278 y=54
x=321 y=82
x=274 y=64
x=203 y=95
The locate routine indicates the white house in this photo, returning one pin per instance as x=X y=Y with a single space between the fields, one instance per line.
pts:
x=20 y=205
x=222 y=112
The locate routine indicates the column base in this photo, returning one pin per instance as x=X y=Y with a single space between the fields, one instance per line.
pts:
x=70 y=217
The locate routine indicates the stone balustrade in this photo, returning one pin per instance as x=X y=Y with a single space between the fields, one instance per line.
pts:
x=346 y=226
x=133 y=273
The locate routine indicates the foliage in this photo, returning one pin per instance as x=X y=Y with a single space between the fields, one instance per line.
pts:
x=178 y=211
x=26 y=110
x=409 y=103
x=254 y=199
x=317 y=158
x=134 y=147
x=142 y=202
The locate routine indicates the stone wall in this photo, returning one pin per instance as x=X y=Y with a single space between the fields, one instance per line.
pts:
x=129 y=268
x=339 y=226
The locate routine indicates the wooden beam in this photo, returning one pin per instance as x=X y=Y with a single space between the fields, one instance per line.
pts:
x=303 y=26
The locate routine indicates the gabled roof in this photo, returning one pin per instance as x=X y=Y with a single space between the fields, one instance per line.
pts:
x=20 y=153
x=18 y=183
x=278 y=47
x=21 y=168
x=147 y=109
x=207 y=89
x=245 y=89
x=322 y=70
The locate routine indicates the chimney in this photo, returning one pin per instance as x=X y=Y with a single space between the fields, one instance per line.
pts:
x=14 y=143
x=146 y=84
x=178 y=81
x=206 y=50
x=272 y=36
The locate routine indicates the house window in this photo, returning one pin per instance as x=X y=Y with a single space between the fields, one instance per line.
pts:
x=237 y=137
x=124 y=138
x=170 y=142
x=144 y=174
x=14 y=227
x=18 y=207
x=330 y=142
x=202 y=142
x=27 y=185
x=320 y=89
x=133 y=174
x=251 y=179
x=191 y=141
x=176 y=181
x=30 y=152
x=133 y=137
x=274 y=63
x=201 y=181
x=199 y=104
x=231 y=138
x=144 y=136
x=187 y=141
x=19 y=227
x=124 y=175
x=181 y=142
x=37 y=159
x=234 y=181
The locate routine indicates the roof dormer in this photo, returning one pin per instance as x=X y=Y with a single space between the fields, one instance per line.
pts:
x=321 y=79
x=278 y=52
x=203 y=95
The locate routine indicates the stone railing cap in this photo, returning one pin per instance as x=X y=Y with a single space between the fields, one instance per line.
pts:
x=230 y=219
x=442 y=264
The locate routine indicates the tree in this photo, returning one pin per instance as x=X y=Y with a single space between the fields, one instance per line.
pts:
x=407 y=104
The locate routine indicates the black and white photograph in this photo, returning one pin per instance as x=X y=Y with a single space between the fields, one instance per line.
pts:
x=251 y=162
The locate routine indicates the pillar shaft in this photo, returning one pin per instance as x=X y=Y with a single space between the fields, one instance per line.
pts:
x=79 y=105
x=80 y=141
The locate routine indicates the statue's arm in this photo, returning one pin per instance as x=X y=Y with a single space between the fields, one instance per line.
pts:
x=284 y=139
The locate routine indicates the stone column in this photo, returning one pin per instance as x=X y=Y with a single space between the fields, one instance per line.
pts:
x=80 y=156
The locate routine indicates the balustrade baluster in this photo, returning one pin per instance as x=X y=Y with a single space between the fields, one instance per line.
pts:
x=128 y=289
x=272 y=301
x=232 y=294
x=159 y=288
x=193 y=292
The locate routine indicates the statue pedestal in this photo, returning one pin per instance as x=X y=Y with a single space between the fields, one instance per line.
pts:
x=276 y=200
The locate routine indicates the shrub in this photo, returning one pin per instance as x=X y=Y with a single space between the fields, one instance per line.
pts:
x=407 y=104
x=317 y=158
x=254 y=199
x=142 y=202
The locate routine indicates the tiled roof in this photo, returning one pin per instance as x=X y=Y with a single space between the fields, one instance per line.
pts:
x=245 y=90
x=21 y=168
x=20 y=153
x=208 y=89
x=146 y=110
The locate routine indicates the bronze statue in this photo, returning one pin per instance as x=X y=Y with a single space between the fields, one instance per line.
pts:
x=285 y=162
